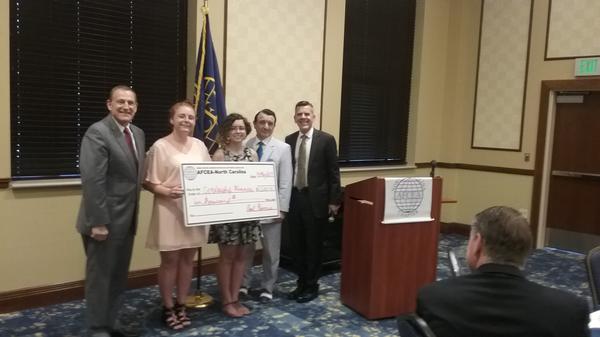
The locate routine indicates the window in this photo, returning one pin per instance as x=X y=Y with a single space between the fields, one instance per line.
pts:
x=65 y=57
x=378 y=48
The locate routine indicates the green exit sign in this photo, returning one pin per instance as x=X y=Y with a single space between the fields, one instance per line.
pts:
x=587 y=67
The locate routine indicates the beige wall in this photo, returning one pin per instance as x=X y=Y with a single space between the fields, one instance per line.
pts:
x=274 y=57
x=38 y=242
x=429 y=86
x=474 y=191
x=462 y=61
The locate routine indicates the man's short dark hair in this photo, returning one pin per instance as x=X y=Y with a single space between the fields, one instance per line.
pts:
x=267 y=112
x=303 y=103
x=506 y=235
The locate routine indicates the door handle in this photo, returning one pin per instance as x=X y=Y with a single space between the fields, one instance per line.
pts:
x=574 y=174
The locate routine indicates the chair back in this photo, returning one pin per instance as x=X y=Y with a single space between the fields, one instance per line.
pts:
x=455 y=269
x=411 y=325
x=592 y=264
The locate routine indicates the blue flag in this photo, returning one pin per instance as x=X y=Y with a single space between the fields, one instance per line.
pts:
x=209 y=100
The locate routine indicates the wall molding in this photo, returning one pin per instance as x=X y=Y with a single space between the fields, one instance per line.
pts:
x=483 y=168
x=565 y=24
x=499 y=103
x=4 y=183
x=455 y=228
x=60 y=293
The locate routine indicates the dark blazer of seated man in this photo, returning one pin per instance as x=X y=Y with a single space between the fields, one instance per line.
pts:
x=496 y=299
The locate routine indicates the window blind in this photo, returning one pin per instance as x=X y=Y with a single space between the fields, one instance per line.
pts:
x=65 y=57
x=378 y=48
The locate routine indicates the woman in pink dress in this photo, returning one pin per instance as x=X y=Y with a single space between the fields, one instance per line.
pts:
x=168 y=234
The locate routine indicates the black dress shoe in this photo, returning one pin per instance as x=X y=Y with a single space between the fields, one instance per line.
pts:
x=244 y=294
x=308 y=295
x=265 y=296
x=295 y=293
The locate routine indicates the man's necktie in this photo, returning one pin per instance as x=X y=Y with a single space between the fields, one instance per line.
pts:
x=129 y=142
x=259 y=150
x=301 y=171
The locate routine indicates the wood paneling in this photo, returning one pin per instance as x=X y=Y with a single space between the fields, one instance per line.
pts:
x=384 y=265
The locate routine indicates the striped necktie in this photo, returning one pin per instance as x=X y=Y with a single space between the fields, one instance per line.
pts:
x=129 y=142
x=301 y=169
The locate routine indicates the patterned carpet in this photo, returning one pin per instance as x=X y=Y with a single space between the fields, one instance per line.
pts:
x=325 y=316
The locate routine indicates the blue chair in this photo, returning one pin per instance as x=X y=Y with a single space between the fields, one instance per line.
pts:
x=411 y=325
x=592 y=264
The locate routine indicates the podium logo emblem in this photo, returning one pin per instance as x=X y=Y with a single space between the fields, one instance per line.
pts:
x=408 y=195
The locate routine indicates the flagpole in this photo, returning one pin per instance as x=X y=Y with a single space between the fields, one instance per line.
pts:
x=200 y=299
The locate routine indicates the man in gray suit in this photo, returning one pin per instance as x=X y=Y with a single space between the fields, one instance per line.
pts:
x=111 y=164
x=270 y=149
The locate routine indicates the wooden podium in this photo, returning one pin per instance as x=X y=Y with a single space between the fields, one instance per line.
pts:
x=384 y=265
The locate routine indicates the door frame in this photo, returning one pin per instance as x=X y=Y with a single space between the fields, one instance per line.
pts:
x=543 y=151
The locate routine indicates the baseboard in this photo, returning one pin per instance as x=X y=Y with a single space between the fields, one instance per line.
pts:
x=40 y=296
x=59 y=293
x=455 y=228
x=4 y=182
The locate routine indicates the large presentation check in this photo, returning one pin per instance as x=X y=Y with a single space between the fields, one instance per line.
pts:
x=219 y=192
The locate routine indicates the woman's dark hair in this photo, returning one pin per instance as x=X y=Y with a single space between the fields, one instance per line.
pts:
x=226 y=127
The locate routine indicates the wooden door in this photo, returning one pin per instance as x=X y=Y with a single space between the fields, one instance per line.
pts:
x=574 y=194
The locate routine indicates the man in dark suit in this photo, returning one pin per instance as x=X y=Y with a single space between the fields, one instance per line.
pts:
x=315 y=196
x=496 y=299
x=111 y=164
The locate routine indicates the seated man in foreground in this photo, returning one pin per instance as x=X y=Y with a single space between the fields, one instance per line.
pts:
x=496 y=299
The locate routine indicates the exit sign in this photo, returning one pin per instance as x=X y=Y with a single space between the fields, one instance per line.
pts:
x=587 y=67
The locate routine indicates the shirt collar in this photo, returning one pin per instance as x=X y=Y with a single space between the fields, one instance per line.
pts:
x=121 y=127
x=264 y=141
x=500 y=268
x=308 y=135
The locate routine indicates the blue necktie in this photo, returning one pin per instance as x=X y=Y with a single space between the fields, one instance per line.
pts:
x=259 y=150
